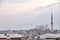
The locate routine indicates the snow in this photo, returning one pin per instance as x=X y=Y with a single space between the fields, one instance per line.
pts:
x=44 y=36
x=58 y=35
x=2 y=36
x=47 y=36
x=11 y=35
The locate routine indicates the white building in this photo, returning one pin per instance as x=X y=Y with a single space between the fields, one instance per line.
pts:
x=49 y=37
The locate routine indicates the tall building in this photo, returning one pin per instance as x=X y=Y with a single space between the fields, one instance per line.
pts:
x=51 y=21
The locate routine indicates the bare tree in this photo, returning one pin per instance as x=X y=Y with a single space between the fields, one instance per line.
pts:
x=38 y=30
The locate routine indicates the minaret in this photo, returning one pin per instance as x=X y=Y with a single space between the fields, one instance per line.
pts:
x=51 y=21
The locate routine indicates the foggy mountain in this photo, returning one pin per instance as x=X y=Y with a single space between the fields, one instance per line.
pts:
x=28 y=20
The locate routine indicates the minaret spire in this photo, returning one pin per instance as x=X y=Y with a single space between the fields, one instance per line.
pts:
x=51 y=21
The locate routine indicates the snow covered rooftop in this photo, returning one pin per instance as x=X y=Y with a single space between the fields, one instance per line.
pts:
x=49 y=36
x=16 y=35
x=2 y=36
x=58 y=35
x=11 y=35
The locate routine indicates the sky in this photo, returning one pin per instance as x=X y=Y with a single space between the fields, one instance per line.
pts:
x=15 y=6
x=14 y=13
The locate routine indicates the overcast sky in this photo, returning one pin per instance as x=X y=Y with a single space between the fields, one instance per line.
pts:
x=15 y=6
x=10 y=8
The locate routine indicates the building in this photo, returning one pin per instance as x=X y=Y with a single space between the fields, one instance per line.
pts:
x=13 y=37
x=49 y=37
x=57 y=37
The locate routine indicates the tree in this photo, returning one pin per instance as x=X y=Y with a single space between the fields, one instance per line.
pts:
x=38 y=30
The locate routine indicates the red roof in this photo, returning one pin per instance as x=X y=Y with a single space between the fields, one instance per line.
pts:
x=2 y=38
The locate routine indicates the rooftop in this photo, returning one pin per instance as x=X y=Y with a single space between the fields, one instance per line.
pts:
x=11 y=35
x=49 y=36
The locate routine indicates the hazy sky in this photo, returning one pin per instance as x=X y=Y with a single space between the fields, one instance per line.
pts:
x=16 y=6
x=14 y=13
